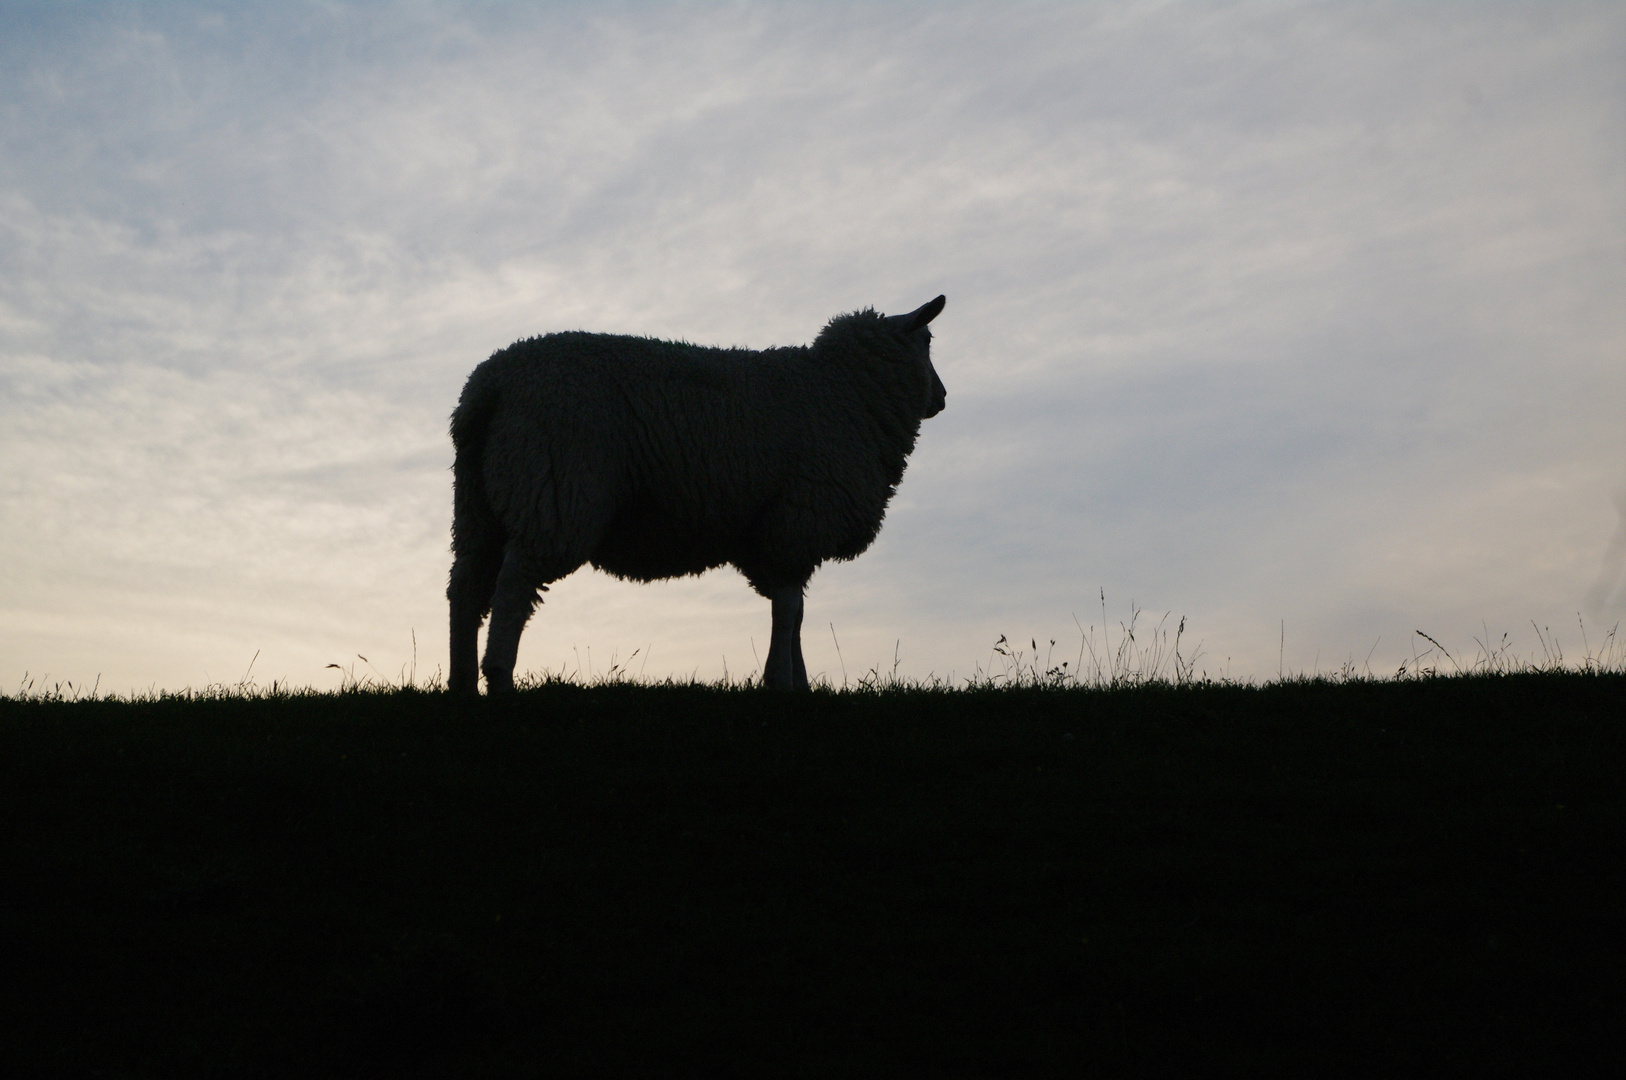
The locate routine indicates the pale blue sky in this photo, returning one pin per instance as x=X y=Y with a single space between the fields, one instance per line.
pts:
x=1258 y=314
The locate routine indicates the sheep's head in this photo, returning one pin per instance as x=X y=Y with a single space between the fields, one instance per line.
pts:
x=912 y=329
x=892 y=353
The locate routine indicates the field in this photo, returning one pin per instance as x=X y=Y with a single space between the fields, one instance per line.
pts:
x=1337 y=877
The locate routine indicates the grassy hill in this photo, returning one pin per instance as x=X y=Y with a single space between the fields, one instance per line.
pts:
x=1341 y=877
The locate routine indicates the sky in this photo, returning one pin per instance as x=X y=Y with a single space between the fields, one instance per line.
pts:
x=1303 y=323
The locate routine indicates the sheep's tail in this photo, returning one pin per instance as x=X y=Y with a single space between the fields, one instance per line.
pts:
x=476 y=529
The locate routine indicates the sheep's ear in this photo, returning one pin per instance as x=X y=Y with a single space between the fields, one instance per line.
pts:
x=925 y=313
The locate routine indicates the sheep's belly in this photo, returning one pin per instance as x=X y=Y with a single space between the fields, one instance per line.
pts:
x=649 y=547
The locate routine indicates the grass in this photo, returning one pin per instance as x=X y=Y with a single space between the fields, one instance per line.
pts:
x=1026 y=876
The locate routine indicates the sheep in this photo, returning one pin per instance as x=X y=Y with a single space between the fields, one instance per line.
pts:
x=655 y=459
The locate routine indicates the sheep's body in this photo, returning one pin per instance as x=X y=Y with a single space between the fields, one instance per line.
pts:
x=654 y=459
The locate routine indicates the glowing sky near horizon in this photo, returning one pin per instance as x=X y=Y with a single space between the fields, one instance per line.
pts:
x=1305 y=323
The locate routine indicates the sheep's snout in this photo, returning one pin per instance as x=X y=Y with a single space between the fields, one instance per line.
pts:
x=938 y=401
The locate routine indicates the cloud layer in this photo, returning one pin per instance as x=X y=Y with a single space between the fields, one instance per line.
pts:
x=1262 y=315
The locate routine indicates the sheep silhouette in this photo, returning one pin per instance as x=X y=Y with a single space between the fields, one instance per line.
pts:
x=654 y=459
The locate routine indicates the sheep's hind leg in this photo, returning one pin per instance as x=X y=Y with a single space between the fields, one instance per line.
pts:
x=785 y=669
x=474 y=577
x=518 y=584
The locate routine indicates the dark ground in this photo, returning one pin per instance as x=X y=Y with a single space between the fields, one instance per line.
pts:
x=1361 y=879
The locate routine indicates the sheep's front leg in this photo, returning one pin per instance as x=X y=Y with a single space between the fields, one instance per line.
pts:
x=798 y=666
x=785 y=669
x=516 y=597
